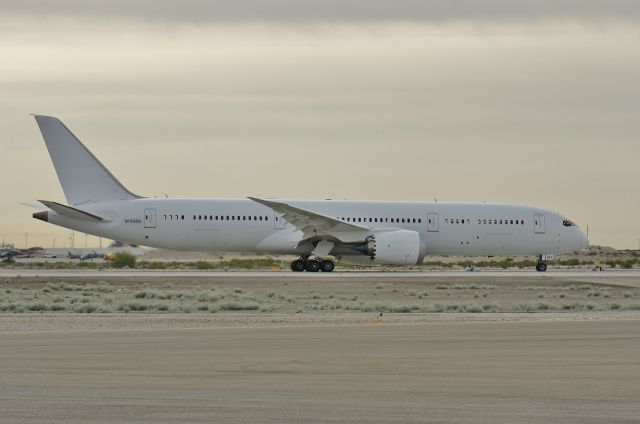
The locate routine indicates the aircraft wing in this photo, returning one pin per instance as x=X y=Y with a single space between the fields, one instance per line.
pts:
x=317 y=225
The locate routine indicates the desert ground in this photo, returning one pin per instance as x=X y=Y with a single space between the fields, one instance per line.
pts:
x=263 y=348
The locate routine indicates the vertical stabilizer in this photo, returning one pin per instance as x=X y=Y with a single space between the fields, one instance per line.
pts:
x=83 y=178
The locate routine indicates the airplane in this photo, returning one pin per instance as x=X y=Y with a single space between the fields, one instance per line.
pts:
x=10 y=254
x=92 y=255
x=356 y=232
x=73 y=256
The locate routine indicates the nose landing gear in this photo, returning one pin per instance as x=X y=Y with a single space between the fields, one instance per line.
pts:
x=312 y=265
x=541 y=266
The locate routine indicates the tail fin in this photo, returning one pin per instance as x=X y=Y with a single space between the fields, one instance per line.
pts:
x=83 y=178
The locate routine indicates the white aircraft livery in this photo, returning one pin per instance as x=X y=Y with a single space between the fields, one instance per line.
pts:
x=357 y=232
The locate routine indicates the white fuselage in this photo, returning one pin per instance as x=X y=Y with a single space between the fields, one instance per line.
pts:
x=242 y=225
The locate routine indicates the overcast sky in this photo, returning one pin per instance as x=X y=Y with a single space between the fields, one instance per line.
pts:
x=534 y=102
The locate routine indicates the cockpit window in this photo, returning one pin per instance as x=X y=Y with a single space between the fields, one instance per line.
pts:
x=568 y=223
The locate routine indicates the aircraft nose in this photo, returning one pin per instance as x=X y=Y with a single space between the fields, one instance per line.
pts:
x=584 y=240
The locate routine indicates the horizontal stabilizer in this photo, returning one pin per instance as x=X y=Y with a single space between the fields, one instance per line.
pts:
x=70 y=212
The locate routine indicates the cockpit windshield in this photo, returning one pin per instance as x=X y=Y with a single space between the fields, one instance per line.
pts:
x=568 y=223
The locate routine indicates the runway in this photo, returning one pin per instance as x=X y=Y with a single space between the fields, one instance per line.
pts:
x=66 y=273
x=546 y=372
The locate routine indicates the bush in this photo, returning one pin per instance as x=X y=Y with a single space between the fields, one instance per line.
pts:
x=203 y=265
x=133 y=306
x=85 y=309
x=627 y=264
x=37 y=307
x=474 y=309
x=124 y=259
x=233 y=306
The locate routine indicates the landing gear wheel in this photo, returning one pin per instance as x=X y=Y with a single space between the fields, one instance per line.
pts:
x=312 y=266
x=541 y=267
x=297 y=265
x=327 y=266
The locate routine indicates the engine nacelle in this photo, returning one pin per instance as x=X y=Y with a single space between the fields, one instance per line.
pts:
x=396 y=247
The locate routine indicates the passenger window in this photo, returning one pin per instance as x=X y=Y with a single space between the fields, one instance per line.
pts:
x=244 y=217
x=511 y=222
x=183 y=217
x=370 y=220
x=419 y=220
x=266 y=218
x=403 y=220
x=446 y=220
x=200 y=217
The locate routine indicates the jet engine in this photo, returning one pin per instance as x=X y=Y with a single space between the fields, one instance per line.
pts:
x=396 y=247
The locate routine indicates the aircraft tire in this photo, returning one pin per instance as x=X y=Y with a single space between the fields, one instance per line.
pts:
x=312 y=266
x=298 y=265
x=327 y=266
x=541 y=267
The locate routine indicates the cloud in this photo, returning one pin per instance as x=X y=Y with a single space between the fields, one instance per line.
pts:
x=305 y=11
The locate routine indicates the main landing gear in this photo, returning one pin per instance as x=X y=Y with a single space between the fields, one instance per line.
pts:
x=312 y=265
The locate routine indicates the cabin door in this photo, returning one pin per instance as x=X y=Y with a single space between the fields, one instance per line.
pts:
x=149 y=218
x=433 y=223
x=538 y=224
